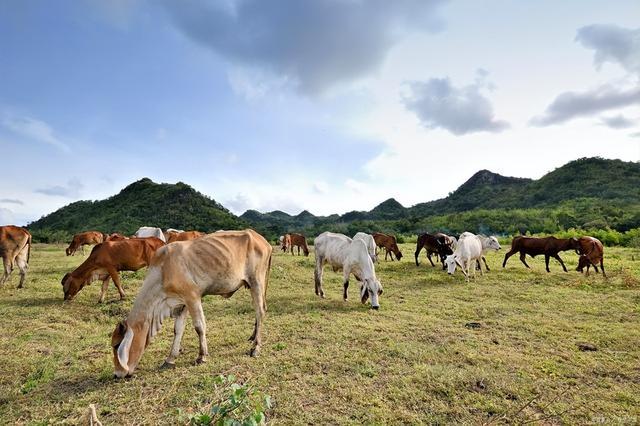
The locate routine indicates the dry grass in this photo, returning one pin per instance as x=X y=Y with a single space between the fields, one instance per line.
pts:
x=328 y=362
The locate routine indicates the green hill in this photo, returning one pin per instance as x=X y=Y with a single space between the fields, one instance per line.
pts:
x=142 y=203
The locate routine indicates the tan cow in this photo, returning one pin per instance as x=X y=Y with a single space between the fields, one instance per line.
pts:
x=85 y=239
x=106 y=260
x=15 y=249
x=179 y=276
x=389 y=243
x=116 y=237
x=183 y=236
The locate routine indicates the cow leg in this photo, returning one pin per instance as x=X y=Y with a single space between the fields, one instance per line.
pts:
x=7 y=269
x=345 y=291
x=557 y=257
x=103 y=292
x=257 y=294
x=178 y=331
x=200 y=325
x=546 y=262
x=484 y=259
x=318 y=277
x=507 y=255
x=116 y=281
x=429 y=257
x=602 y=267
x=417 y=253
x=21 y=261
x=523 y=256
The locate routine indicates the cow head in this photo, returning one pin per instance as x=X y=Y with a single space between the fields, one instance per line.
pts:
x=492 y=243
x=71 y=286
x=451 y=262
x=396 y=251
x=68 y=251
x=128 y=344
x=583 y=261
x=371 y=287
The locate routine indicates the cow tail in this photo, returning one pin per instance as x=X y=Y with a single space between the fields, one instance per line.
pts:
x=266 y=283
x=29 y=248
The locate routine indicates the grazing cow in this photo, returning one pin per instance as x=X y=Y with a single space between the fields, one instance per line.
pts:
x=370 y=243
x=488 y=244
x=286 y=242
x=298 y=240
x=82 y=239
x=149 y=231
x=468 y=252
x=591 y=252
x=184 y=236
x=438 y=243
x=15 y=249
x=116 y=237
x=352 y=257
x=180 y=275
x=388 y=242
x=549 y=246
x=106 y=260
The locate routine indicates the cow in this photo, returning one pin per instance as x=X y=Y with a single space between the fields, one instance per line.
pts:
x=488 y=244
x=549 y=246
x=388 y=242
x=180 y=275
x=437 y=243
x=352 y=257
x=370 y=243
x=149 y=231
x=298 y=240
x=591 y=252
x=171 y=231
x=85 y=239
x=15 y=249
x=184 y=236
x=285 y=242
x=116 y=237
x=467 y=254
x=106 y=260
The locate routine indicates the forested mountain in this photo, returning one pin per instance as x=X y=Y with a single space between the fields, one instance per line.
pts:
x=585 y=193
x=141 y=203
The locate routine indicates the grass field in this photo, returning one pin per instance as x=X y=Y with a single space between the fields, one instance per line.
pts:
x=329 y=361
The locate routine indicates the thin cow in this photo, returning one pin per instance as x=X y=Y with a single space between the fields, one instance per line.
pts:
x=15 y=249
x=297 y=240
x=437 y=243
x=591 y=253
x=549 y=246
x=106 y=260
x=350 y=256
x=180 y=275
x=389 y=243
x=369 y=242
x=468 y=253
x=184 y=236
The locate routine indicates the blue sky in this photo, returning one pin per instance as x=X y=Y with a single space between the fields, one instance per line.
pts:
x=327 y=105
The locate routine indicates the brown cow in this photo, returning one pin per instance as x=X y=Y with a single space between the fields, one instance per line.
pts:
x=591 y=252
x=389 y=243
x=85 y=239
x=15 y=249
x=106 y=260
x=549 y=246
x=183 y=236
x=116 y=237
x=297 y=240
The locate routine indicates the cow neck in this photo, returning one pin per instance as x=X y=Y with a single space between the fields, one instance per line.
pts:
x=151 y=307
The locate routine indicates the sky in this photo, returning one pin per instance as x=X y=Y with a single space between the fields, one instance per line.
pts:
x=323 y=105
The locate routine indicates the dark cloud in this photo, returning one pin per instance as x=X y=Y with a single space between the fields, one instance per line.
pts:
x=618 y=122
x=438 y=104
x=315 y=44
x=570 y=105
x=612 y=43
x=11 y=201
x=71 y=190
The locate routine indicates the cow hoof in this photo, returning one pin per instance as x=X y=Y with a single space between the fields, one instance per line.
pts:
x=167 y=366
x=201 y=359
x=100 y=302
x=254 y=352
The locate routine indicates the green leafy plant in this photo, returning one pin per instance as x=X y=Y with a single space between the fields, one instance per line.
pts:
x=241 y=405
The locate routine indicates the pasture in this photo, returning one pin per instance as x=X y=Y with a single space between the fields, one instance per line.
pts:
x=419 y=359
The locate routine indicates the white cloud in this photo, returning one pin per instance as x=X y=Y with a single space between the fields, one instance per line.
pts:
x=72 y=189
x=32 y=129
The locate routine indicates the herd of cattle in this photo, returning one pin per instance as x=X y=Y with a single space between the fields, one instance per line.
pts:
x=184 y=266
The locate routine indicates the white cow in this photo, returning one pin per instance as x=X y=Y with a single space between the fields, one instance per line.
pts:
x=149 y=231
x=488 y=244
x=370 y=243
x=350 y=256
x=468 y=252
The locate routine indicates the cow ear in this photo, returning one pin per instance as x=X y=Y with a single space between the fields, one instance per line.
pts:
x=123 y=349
